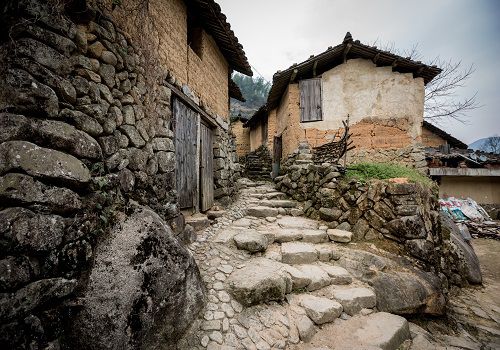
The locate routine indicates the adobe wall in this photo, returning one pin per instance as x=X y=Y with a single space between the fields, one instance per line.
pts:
x=242 y=137
x=385 y=108
x=207 y=77
x=484 y=190
x=255 y=136
x=430 y=139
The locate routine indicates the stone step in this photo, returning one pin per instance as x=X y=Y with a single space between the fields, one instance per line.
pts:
x=261 y=211
x=320 y=310
x=300 y=234
x=306 y=253
x=355 y=299
x=381 y=330
x=278 y=203
x=198 y=221
x=269 y=195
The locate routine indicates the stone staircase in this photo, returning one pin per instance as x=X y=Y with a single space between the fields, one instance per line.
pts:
x=292 y=259
x=278 y=280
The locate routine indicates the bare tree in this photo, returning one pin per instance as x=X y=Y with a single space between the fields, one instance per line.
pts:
x=442 y=101
x=492 y=145
x=441 y=94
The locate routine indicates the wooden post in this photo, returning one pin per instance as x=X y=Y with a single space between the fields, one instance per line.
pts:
x=347 y=131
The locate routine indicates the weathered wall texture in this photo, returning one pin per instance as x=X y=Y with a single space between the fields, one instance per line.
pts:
x=484 y=190
x=430 y=139
x=385 y=108
x=256 y=136
x=86 y=142
x=207 y=76
x=242 y=137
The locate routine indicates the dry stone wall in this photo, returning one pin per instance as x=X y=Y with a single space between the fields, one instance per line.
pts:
x=258 y=164
x=86 y=143
x=405 y=213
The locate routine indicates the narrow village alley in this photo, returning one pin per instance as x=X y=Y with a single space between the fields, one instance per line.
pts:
x=278 y=280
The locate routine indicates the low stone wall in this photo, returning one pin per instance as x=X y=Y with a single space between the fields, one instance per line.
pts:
x=258 y=164
x=404 y=213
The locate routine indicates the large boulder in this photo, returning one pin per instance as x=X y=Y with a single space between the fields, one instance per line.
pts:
x=408 y=293
x=143 y=290
x=468 y=264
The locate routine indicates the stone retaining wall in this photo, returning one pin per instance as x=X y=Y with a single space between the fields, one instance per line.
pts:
x=405 y=213
x=84 y=134
x=258 y=164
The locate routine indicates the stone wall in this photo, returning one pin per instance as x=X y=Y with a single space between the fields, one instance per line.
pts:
x=86 y=143
x=227 y=170
x=404 y=213
x=258 y=164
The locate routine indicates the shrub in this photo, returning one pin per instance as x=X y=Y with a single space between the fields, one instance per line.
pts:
x=367 y=171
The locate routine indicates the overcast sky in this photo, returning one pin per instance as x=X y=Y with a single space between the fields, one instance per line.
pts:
x=277 y=33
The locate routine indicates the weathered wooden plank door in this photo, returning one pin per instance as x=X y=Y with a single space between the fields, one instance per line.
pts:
x=310 y=100
x=186 y=137
x=206 y=168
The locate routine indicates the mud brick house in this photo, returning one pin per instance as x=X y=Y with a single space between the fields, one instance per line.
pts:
x=113 y=119
x=382 y=93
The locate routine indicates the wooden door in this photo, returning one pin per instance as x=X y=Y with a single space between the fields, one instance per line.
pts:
x=186 y=137
x=206 y=168
x=310 y=100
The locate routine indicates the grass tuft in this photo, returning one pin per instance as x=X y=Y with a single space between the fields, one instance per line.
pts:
x=364 y=172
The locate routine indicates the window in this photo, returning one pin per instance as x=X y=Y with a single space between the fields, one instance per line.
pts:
x=194 y=34
x=310 y=100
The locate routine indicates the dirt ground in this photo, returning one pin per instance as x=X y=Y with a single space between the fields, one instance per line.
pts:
x=488 y=252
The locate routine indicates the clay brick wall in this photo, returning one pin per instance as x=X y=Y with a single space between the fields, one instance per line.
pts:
x=430 y=139
x=271 y=130
x=386 y=109
x=242 y=138
x=288 y=120
x=207 y=77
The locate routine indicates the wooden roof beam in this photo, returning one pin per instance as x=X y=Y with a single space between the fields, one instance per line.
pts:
x=394 y=63
x=376 y=57
x=315 y=65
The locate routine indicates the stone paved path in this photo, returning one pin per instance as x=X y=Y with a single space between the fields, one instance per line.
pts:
x=274 y=282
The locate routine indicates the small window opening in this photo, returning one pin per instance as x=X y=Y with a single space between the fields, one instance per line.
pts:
x=194 y=34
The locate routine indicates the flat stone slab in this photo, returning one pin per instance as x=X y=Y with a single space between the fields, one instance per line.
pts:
x=261 y=211
x=262 y=280
x=385 y=330
x=338 y=274
x=320 y=310
x=282 y=235
x=298 y=253
x=355 y=299
x=319 y=278
x=243 y=222
x=278 y=203
x=314 y=236
x=198 y=221
x=297 y=222
x=299 y=278
x=251 y=241
x=340 y=236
